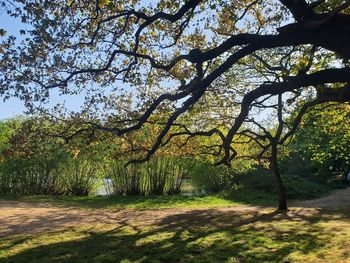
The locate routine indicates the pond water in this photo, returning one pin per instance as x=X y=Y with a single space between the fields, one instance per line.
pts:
x=105 y=187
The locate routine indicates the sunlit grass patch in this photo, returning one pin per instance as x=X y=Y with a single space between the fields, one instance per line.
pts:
x=296 y=236
x=140 y=202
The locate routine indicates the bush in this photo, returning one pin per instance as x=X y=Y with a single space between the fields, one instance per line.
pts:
x=261 y=184
x=77 y=176
x=298 y=187
x=210 y=178
x=124 y=180
x=39 y=175
x=213 y=178
x=157 y=176
x=164 y=176
x=33 y=175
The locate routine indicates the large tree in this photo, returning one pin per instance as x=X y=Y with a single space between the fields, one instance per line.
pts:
x=191 y=62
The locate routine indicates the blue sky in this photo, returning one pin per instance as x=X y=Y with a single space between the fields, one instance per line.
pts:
x=11 y=107
x=15 y=107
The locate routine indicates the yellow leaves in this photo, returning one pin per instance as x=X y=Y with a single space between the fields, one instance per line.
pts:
x=168 y=4
x=181 y=72
x=103 y=3
x=195 y=40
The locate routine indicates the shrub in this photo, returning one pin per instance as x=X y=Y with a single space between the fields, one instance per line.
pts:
x=298 y=187
x=158 y=176
x=77 y=176
x=33 y=175
x=263 y=183
x=125 y=180
x=210 y=178
x=164 y=175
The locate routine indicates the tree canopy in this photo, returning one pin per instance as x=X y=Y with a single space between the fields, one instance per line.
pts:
x=195 y=68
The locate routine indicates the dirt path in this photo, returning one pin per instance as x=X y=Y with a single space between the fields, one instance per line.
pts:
x=338 y=199
x=18 y=217
x=24 y=217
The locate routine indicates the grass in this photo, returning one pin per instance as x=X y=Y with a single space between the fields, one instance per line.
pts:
x=299 y=236
x=242 y=195
x=139 y=202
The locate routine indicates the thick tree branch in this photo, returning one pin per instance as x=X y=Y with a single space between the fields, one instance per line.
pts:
x=314 y=79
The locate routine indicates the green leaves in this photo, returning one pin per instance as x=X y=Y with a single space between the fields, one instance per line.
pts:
x=324 y=134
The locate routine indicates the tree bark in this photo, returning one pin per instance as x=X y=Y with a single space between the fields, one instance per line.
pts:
x=282 y=199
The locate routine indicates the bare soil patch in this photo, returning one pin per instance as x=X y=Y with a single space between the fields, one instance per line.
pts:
x=338 y=199
x=17 y=217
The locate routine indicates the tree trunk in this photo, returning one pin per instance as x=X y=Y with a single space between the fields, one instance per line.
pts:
x=282 y=200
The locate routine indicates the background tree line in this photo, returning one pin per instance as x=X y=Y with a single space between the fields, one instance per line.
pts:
x=36 y=160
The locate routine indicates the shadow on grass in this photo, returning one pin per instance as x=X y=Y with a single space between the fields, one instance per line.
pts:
x=195 y=236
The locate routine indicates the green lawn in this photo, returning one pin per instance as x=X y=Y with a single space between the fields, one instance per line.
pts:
x=139 y=202
x=299 y=236
x=190 y=235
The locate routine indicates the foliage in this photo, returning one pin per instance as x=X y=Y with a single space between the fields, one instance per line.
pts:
x=259 y=186
x=28 y=163
x=323 y=138
x=158 y=176
x=78 y=176
x=301 y=188
x=214 y=179
x=34 y=163
x=6 y=129
x=56 y=173
x=35 y=175
x=195 y=68
x=210 y=178
x=125 y=180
